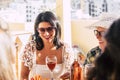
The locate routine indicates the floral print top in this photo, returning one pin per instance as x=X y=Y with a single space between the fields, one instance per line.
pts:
x=92 y=54
x=27 y=55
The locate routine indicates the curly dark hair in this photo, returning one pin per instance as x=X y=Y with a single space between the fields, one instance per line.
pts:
x=50 y=17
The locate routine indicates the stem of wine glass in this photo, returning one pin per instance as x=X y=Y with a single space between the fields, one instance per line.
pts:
x=52 y=78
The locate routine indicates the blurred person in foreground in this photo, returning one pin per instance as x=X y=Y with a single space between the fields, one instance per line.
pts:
x=7 y=57
x=100 y=29
x=46 y=41
x=107 y=66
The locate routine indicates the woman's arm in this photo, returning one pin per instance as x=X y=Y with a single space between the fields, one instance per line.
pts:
x=24 y=73
x=26 y=58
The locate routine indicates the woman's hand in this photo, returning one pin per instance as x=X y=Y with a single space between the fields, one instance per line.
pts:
x=65 y=76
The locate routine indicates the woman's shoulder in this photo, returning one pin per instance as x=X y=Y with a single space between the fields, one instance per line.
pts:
x=27 y=53
x=30 y=47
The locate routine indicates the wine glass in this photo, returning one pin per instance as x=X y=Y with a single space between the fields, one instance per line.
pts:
x=51 y=61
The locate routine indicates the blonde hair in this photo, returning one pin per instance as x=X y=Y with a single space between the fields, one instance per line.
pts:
x=4 y=25
x=6 y=53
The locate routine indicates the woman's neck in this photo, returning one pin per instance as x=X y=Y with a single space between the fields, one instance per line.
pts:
x=49 y=46
x=102 y=47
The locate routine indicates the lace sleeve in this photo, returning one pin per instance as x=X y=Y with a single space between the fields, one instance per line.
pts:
x=27 y=54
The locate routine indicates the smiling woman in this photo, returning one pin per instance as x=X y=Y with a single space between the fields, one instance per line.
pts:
x=46 y=41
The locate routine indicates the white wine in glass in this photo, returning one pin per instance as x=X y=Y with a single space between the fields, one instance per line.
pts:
x=51 y=61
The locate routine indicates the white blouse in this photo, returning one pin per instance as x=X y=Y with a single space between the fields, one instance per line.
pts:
x=43 y=71
x=29 y=58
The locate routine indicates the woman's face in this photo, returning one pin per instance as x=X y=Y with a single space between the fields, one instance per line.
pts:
x=99 y=32
x=46 y=31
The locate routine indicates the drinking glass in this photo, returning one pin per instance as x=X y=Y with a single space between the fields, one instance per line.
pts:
x=87 y=68
x=51 y=61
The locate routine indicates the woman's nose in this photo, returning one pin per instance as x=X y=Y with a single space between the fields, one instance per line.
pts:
x=46 y=32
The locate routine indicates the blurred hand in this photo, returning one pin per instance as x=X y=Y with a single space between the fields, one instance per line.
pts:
x=65 y=76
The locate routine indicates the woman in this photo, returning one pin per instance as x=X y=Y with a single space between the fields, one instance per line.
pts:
x=107 y=66
x=47 y=33
x=6 y=53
